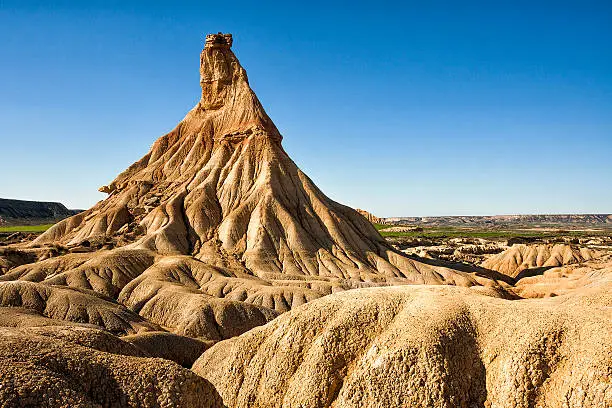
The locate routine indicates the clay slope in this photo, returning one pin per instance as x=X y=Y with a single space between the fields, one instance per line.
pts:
x=73 y=305
x=564 y=280
x=414 y=346
x=520 y=257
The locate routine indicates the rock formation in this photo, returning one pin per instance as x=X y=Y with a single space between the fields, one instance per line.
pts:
x=220 y=188
x=371 y=217
x=216 y=230
x=519 y=258
x=59 y=366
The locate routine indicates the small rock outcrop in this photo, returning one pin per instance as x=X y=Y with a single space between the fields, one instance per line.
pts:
x=520 y=257
x=371 y=217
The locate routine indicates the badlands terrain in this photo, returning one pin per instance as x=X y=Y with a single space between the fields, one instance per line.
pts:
x=216 y=274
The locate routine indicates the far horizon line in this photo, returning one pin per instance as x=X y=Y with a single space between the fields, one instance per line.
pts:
x=492 y=215
x=395 y=216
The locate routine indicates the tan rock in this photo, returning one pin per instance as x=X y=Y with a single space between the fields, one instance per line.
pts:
x=370 y=217
x=48 y=369
x=520 y=257
x=80 y=306
x=421 y=346
x=220 y=188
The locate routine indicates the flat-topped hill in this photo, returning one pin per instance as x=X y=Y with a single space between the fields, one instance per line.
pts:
x=504 y=220
x=23 y=212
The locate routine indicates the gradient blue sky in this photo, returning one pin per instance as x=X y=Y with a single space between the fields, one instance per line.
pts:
x=401 y=108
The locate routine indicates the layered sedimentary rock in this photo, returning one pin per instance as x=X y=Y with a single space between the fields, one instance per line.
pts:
x=220 y=188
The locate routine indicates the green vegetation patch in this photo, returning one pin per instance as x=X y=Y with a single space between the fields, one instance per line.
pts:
x=381 y=226
x=458 y=232
x=26 y=228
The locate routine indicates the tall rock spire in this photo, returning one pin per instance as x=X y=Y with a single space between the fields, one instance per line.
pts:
x=220 y=191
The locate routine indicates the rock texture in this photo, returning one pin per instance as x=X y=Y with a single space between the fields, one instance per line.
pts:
x=65 y=368
x=180 y=349
x=422 y=346
x=73 y=305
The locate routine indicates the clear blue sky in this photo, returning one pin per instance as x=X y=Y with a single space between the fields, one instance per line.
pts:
x=401 y=108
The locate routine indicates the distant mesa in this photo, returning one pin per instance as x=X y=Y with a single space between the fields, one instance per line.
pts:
x=495 y=220
x=500 y=220
x=22 y=212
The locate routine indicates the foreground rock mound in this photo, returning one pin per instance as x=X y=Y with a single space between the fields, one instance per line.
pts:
x=422 y=346
x=64 y=368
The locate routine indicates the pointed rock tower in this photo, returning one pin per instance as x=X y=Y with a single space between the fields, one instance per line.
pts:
x=219 y=195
